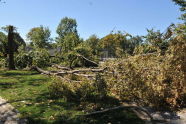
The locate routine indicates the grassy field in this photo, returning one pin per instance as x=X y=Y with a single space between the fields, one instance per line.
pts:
x=28 y=92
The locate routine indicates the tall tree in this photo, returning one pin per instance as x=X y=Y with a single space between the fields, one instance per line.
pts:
x=18 y=40
x=39 y=37
x=10 y=44
x=11 y=64
x=67 y=26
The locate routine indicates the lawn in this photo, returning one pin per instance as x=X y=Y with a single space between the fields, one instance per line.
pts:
x=28 y=92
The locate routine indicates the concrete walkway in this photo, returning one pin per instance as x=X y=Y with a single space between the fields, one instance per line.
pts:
x=163 y=117
x=8 y=115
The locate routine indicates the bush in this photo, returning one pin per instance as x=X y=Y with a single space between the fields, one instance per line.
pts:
x=82 y=90
x=41 y=58
x=2 y=62
x=60 y=88
x=23 y=60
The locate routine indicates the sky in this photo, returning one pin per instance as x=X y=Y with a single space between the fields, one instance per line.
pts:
x=98 y=17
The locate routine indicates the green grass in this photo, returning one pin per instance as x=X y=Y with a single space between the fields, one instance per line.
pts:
x=28 y=92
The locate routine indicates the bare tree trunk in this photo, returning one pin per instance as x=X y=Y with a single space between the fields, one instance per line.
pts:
x=11 y=65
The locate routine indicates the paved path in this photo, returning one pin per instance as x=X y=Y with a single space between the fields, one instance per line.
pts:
x=164 y=117
x=8 y=115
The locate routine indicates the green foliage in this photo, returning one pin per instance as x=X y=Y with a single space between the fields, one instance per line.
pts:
x=23 y=59
x=67 y=25
x=93 y=44
x=2 y=63
x=67 y=40
x=118 y=44
x=70 y=41
x=182 y=4
x=152 y=79
x=83 y=90
x=18 y=42
x=115 y=44
x=155 y=38
x=60 y=88
x=144 y=49
x=40 y=58
x=71 y=91
x=67 y=31
x=73 y=58
x=39 y=37
x=3 y=44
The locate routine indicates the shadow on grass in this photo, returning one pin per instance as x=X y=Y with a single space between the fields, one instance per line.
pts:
x=34 y=82
x=7 y=85
x=13 y=101
x=16 y=79
x=69 y=111
x=45 y=110
x=14 y=73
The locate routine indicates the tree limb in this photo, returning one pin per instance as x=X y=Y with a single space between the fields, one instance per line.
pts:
x=119 y=107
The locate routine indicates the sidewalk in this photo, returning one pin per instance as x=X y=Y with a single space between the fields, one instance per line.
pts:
x=8 y=115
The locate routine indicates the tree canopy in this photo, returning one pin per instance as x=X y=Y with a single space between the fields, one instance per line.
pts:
x=39 y=37
x=182 y=4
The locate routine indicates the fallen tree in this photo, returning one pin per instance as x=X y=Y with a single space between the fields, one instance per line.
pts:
x=73 y=72
x=79 y=70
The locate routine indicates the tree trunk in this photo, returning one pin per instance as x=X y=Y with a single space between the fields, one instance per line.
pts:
x=11 y=65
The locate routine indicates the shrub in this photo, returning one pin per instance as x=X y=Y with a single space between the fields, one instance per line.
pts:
x=23 y=60
x=61 y=88
x=41 y=58
x=2 y=62
x=82 y=90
